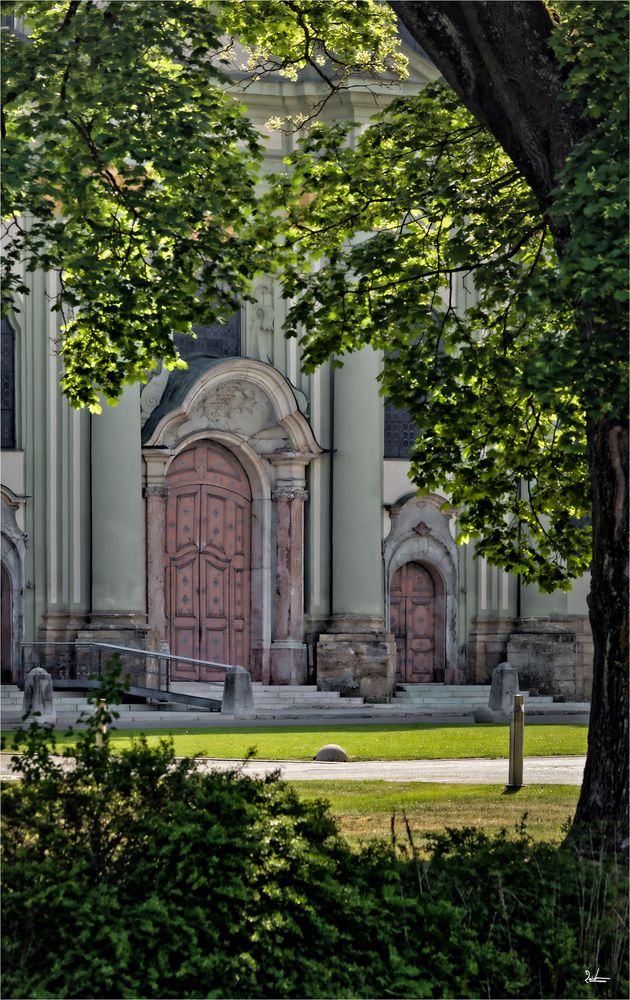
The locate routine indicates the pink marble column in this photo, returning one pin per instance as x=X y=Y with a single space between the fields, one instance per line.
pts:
x=288 y=652
x=156 y=497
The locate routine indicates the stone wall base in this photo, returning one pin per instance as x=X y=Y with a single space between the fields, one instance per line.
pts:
x=550 y=658
x=129 y=630
x=59 y=630
x=487 y=647
x=288 y=662
x=117 y=629
x=62 y=626
x=259 y=666
x=359 y=662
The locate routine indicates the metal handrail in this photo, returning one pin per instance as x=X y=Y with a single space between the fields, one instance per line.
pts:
x=146 y=669
x=131 y=649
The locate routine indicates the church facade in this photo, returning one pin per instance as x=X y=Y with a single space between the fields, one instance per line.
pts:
x=242 y=512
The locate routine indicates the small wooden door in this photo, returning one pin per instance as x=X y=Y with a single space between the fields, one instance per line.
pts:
x=416 y=622
x=208 y=557
x=6 y=655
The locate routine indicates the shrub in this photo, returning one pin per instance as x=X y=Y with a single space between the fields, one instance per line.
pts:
x=507 y=917
x=138 y=876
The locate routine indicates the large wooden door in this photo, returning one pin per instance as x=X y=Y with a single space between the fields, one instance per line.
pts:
x=208 y=557
x=6 y=653
x=417 y=622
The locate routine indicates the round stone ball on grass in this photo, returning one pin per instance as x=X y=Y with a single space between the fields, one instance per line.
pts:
x=332 y=754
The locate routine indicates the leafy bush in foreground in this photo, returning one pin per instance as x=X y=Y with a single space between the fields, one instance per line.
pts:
x=138 y=876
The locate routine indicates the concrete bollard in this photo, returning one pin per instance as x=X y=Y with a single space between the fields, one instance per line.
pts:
x=503 y=688
x=101 y=731
x=38 y=696
x=238 y=694
x=517 y=728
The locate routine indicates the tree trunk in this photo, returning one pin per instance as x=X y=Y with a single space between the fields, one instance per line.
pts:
x=496 y=57
x=604 y=796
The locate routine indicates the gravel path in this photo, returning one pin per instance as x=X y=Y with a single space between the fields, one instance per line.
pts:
x=537 y=770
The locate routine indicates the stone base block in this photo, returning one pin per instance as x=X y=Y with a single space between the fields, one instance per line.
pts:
x=357 y=664
x=544 y=654
x=238 y=697
x=504 y=687
x=487 y=647
x=288 y=662
x=259 y=664
x=129 y=631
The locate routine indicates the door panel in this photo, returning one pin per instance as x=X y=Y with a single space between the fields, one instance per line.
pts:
x=208 y=533
x=6 y=654
x=413 y=622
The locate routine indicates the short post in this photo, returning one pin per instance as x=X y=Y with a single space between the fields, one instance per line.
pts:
x=101 y=729
x=238 y=695
x=517 y=727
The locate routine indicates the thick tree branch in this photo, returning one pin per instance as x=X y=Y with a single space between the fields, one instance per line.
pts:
x=496 y=57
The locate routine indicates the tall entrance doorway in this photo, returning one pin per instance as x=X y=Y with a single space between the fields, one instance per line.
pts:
x=6 y=654
x=208 y=566
x=417 y=622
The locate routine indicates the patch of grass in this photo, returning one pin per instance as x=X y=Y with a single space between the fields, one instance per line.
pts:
x=364 y=809
x=362 y=742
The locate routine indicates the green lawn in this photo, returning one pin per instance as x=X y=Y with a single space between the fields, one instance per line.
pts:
x=364 y=808
x=362 y=742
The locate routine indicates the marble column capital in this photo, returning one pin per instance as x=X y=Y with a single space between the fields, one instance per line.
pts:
x=155 y=491
x=289 y=493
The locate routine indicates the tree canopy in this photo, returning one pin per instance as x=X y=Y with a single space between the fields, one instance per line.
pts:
x=480 y=241
x=435 y=249
x=130 y=166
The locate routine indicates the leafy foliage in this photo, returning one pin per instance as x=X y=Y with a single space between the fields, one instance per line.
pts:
x=138 y=875
x=130 y=166
x=592 y=202
x=446 y=286
x=433 y=248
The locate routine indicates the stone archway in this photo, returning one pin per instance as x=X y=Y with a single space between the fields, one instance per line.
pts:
x=248 y=408
x=417 y=623
x=13 y=552
x=420 y=533
x=6 y=611
x=208 y=557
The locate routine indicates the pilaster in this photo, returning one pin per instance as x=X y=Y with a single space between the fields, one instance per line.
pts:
x=155 y=494
x=356 y=655
x=118 y=559
x=288 y=650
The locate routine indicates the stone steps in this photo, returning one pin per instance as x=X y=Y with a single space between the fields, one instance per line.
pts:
x=432 y=701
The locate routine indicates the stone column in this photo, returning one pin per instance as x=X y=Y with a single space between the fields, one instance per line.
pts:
x=118 y=553
x=156 y=496
x=356 y=656
x=288 y=650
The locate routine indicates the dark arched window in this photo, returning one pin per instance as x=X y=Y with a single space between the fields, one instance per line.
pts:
x=7 y=385
x=221 y=340
x=400 y=432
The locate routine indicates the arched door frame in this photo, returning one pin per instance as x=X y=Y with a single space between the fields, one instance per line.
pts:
x=258 y=473
x=438 y=612
x=222 y=553
x=274 y=460
x=420 y=533
x=13 y=552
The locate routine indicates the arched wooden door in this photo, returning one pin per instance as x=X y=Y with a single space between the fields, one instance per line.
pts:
x=208 y=522
x=6 y=612
x=417 y=622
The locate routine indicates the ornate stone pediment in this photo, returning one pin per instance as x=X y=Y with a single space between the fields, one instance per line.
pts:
x=236 y=406
x=239 y=397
